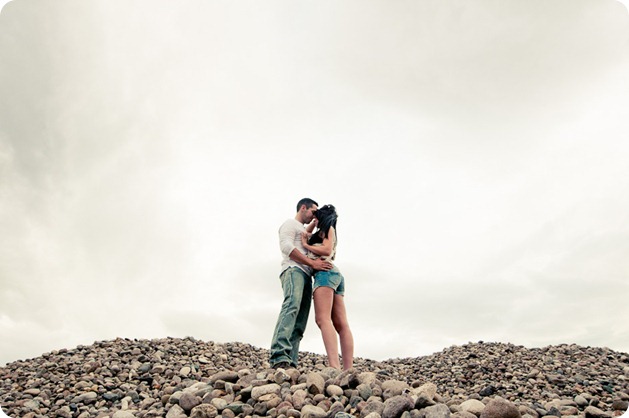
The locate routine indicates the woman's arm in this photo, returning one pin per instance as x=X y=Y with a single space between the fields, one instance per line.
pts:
x=325 y=249
x=311 y=226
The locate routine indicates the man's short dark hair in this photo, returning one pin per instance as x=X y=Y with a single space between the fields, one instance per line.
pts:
x=306 y=201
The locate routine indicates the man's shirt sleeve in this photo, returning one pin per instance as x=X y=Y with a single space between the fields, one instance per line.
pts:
x=287 y=238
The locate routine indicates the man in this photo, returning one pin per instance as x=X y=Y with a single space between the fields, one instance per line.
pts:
x=296 y=278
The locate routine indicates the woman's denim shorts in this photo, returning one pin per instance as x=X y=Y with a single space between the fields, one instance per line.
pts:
x=332 y=279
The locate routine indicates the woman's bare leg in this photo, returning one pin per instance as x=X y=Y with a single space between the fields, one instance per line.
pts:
x=323 y=301
x=339 y=319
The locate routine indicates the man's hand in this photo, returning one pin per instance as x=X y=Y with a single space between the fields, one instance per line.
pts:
x=321 y=265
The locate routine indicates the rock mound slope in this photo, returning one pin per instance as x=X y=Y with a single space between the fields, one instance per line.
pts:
x=179 y=378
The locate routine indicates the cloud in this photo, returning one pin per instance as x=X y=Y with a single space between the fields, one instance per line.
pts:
x=466 y=62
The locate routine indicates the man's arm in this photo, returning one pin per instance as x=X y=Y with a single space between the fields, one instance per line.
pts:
x=287 y=246
x=316 y=264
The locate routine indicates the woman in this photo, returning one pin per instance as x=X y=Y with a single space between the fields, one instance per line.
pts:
x=328 y=290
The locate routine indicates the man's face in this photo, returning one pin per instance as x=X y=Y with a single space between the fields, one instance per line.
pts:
x=308 y=214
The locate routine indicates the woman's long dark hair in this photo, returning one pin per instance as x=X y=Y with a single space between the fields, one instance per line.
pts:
x=327 y=216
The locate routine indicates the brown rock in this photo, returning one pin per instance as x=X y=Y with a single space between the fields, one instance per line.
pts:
x=260 y=391
x=436 y=411
x=299 y=399
x=311 y=411
x=594 y=412
x=176 y=411
x=372 y=407
x=391 y=388
x=620 y=405
x=188 y=401
x=463 y=414
x=315 y=383
x=473 y=406
x=227 y=376
x=500 y=408
x=395 y=406
x=204 y=411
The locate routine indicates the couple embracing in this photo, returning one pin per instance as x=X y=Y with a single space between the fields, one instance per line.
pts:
x=308 y=245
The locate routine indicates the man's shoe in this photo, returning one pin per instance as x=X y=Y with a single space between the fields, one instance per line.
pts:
x=282 y=365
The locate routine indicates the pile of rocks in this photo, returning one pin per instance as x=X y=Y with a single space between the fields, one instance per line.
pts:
x=180 y=378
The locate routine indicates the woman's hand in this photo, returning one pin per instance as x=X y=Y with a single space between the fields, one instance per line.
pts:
x=304 y=239
x=311 y=226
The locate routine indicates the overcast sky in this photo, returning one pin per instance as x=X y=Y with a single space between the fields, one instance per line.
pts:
x=477 y=153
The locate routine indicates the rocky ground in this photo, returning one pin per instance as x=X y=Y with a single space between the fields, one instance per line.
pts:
x=179 y=378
